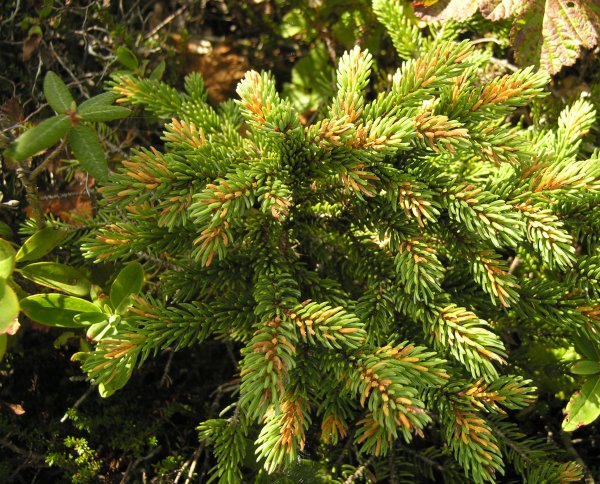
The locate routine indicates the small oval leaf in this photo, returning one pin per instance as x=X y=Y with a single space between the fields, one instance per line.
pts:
x=58 y=276
x=127 y=58
x=9 y=307
x=128 y=281
x=40 y=244
x=7 y=259
x=158 y=71
x=586 y=367
x=56 y=309
x=584 y=406
x=39 y=138
x=88 y=151
x=103 y=113
x=57 y=93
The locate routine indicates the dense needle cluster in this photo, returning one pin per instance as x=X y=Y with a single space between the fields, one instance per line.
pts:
x=369 y=266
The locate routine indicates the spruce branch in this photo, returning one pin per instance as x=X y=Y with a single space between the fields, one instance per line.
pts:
x=467 y=338
x=283 y=434
x=333 y=328
x=471 y=440
x=266 y=365
x=419 y=269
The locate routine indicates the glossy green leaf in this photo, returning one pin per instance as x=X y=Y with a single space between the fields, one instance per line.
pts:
x=586 y=367
x=584 y=406
x=39 y=138
x=56 y=309
x=88 y=151
x=127 y=58
x=58 y=276
x=103 y=113
x=9 y=306
x=86 y=319
x=104 y=99
x=97 y=331
x=7 y=259
x=118 y=380
x=57 y=93
x=40 y=244
x=585 y=346
x=129 y=281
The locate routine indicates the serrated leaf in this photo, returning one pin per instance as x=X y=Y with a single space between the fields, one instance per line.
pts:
x=127 y=58
x=57 y=276
x=551 y=33
x=584 y=406
x=7 y=259
x=88 y=151
x=586 y=367
x=501 y=9
x=57 y=93
x=9 y=306
x=444 y=10
x=56 y=309
x=40 y=244
x=102 y=113
x=128 y=281
x=39 y=138
x=545 y=33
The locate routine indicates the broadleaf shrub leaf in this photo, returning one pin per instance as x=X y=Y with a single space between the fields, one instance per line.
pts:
x=584 y=406
x=128 y=281
x=119 y=379
x=586 y=367
x=9 y=306
x=127 y=58
x=103 y=99
x=89 y=151
x=39 y=138
x=57 y=93
x=56 y=309
x=86 y=319
x=40 y=244
x=444 y=10
x=57 y=276
x=158 y=71
x=103 y=113
x=7 y=259
x=551 y=33
x=546 y=33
